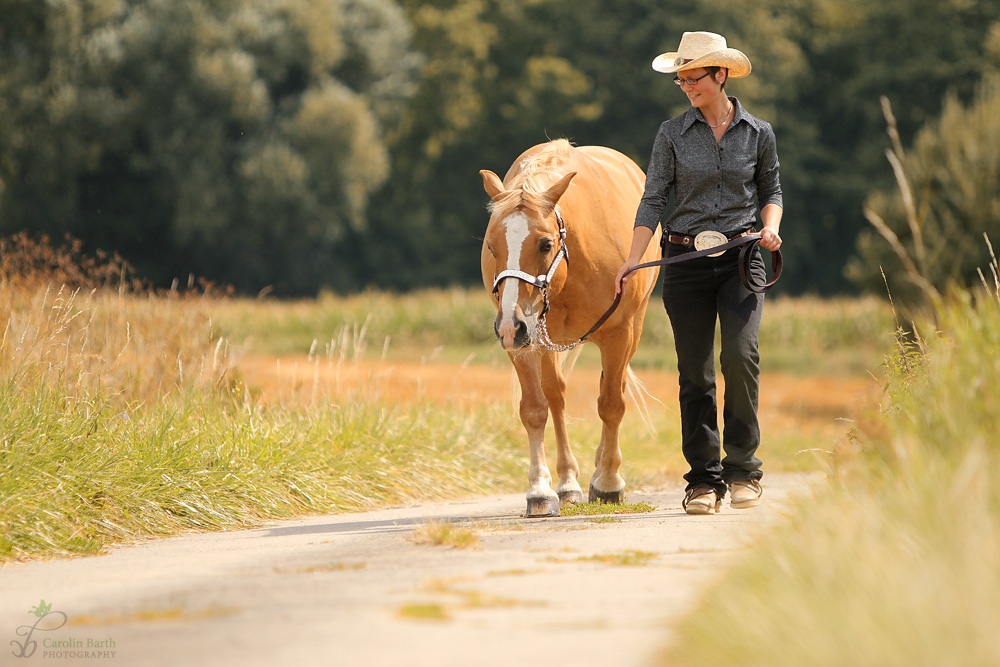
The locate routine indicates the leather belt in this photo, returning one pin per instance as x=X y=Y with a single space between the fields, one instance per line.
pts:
x=688 y=241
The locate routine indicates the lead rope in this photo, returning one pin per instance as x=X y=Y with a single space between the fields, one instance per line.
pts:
x=748 y=242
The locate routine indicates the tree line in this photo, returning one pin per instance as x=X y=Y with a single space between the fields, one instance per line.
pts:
x=303 y=145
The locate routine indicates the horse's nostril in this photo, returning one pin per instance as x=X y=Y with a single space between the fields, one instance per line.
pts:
x=521 y=336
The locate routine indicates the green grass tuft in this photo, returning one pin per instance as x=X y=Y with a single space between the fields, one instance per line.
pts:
x=424 y=612
x=588 y=509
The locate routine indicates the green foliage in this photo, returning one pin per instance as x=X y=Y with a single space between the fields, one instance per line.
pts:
x=953 y=173
x=311 y=144
x=913 y=52
x=234 y=139
x=521 y=72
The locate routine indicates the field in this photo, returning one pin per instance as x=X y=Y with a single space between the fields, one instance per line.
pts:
x=821 y=363
x=128 y=415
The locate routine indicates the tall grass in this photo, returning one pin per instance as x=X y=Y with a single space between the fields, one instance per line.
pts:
x=79 y=475
x=428 y=318
x=121 y=417
x=897 y=561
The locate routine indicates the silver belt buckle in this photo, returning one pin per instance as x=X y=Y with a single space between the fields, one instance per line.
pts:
x=710 y=239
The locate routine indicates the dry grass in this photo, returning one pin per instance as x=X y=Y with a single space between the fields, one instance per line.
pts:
x=896 y=561
x=126 y=414
x=122 y=416
x=171 y=614
x=630 y=558
x=445 y=534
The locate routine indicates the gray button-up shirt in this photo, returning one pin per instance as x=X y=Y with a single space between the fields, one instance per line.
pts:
x=714 y=183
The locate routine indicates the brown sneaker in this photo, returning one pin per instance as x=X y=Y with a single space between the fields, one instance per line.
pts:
x=701 y=500
x=745 y=494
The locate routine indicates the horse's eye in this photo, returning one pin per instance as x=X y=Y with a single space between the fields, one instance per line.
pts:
x=545 y=246
x=490 y=248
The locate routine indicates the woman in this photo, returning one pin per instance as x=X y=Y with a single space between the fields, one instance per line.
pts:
x=717 y=159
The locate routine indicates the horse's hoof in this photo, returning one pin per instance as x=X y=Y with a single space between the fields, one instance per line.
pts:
x=574 y=497
x=542 y=507
x=606 y=497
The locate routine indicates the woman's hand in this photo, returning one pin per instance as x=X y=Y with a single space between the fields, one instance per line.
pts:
x=621 y=279
x=640 y=240
x=770 y=239
x=770 y=215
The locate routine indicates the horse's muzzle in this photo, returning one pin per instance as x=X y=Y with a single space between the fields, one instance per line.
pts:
x=516 y=331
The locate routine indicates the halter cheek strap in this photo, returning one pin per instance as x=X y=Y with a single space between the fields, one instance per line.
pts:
x=543 y=281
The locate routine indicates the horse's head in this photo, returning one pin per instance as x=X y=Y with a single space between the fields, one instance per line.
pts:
x=524 y=245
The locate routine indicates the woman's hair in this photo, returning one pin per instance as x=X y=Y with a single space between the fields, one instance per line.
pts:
x=712 y=70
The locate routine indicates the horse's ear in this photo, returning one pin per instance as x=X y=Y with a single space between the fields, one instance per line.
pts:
x=559 y=188
x=492 y=184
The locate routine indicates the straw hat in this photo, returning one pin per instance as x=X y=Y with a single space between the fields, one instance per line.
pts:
x=703 y=49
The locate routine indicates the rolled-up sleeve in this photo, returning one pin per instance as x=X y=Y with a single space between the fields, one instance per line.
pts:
x=659 y=180
x=766 y=177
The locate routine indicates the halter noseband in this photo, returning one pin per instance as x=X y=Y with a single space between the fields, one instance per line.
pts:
x=543 y=281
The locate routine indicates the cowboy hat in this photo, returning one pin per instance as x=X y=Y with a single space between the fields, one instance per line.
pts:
x=703 y=49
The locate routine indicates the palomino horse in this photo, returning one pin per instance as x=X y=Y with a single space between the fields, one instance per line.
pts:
x=560 y=228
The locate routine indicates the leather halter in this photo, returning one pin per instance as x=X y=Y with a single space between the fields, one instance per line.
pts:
x=543 y=281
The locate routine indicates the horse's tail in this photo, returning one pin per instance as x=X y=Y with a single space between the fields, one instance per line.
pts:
x=568 y=361
x=634 y=388
x=637 y=391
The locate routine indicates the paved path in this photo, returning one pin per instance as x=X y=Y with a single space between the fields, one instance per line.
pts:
x=337 y=589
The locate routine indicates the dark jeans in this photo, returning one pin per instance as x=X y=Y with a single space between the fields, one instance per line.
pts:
x=696 y=294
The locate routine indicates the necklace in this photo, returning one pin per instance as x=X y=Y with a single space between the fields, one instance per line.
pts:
x=724 y=118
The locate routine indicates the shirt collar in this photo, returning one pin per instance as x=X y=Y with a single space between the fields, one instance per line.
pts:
x=693 y=115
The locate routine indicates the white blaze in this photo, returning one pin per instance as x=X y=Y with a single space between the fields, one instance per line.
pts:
x=517 y=233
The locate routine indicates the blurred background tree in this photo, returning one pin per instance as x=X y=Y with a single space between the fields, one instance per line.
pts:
x=336 y=144
x=232 y=139
x=953 y=175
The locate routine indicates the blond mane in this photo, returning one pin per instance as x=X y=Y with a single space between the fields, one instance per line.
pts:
x=537 y=173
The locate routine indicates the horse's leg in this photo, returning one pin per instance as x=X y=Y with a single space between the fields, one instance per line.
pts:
x=607 y=485
x=554 y=387
x=542 y=500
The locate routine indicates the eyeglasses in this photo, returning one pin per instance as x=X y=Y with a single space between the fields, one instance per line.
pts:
x=679 y=81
